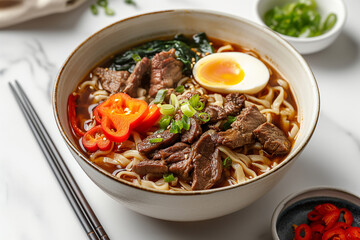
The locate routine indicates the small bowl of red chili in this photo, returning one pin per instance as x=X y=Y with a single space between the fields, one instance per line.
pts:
x=319 y=213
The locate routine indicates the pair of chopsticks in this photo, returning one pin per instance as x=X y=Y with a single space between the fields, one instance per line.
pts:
x=72 y=191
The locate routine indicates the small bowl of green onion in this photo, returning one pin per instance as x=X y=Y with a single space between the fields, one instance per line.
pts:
x=309 y=25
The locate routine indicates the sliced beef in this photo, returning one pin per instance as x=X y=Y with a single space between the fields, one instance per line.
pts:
x=273 y=139
x=137 y=77
x=193 y=133
x=150 y=166
x=249 y=119
x=145 y=147
x=182 y=168
x=166 y=71
x=215 y=112
x=234 y=103
x=167 y=152
x=179 y=156
x=112 y=81
x=207 y=163
x=241 y=132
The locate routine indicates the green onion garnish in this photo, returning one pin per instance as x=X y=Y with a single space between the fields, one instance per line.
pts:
x=329 y=22
x=136 y=57
x=164 y=122
x=194 y=100
x=200 y=106
x=160 y=96
x=298 y=19
x=94 y=9
x=168 y=177
x=130 y=2
x=167 y=109
x=180 y=89
x=185 y=122
x=102 y=3
x=227 y=162
x=109 y=11
x=205 y=117
x=188 y=110
x=174 y=101
x=228 y=123
x=174 y=127
x=155 y=140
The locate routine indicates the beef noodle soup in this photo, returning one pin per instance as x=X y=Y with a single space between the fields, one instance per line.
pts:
x=186 y=113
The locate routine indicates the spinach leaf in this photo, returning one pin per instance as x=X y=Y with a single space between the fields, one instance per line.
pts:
x=181 y=44
x=203 y=43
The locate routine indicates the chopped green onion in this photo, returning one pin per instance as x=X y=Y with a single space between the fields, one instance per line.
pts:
x=228 y=123
x=102 y=3
x=109 y=11
x=174 y=101
x=174 y=127
x=329 y=22
x=298 y=19
x=194 y=100
x=200 y=106
x=185 y=122
x=160 y=96
x=188 y=110
x=136 y=57
x=130 y=2
x=168 y=177
x=155 y=140
x=167 y=109
x=94 y=9
x=227 y=162
x=180 y=89
x=205 y=117
x=164 y=122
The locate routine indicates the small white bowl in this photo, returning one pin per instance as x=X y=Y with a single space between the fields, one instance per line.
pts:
x=313 y=44
x=294 y=208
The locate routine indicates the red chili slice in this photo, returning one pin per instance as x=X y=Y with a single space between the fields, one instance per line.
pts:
x=353 y=233
x=317 y=227
x=96 y=114
x=341 y=225
x=348 y=217
x=325 y=208
x=72 y=114
x=150 y=120
x=331 y=218
x=336 y=233
x=303 y=232
x=95 y=139
x=314 y=215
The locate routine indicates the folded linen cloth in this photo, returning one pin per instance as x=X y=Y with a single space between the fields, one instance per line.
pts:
x=16 y=11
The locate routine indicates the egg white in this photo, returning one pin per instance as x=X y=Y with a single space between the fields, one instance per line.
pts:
x=256 y=73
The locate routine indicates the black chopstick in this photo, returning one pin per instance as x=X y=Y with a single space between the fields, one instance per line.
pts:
x=72 y=191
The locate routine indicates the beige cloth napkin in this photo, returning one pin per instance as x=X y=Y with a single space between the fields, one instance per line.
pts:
x=16 y=11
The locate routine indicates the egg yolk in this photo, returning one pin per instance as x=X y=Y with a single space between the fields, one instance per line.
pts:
x=221 y=71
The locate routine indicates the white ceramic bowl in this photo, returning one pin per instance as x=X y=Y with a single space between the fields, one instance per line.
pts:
x=193 y=205
x=313 y=44
x=294 y=208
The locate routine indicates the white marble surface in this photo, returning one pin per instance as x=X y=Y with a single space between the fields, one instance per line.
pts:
x=33 y=206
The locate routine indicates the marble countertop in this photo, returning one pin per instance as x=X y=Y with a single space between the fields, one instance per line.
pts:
x=33 y=206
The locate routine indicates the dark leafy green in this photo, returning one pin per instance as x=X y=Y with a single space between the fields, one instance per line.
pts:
x=183 y=51
x=203 y=43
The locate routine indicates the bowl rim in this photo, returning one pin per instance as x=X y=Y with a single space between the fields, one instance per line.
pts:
x=284 y=43
x=281 y=206
x=340 y=22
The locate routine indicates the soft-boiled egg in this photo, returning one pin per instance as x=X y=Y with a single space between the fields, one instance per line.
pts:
x=231 y=72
